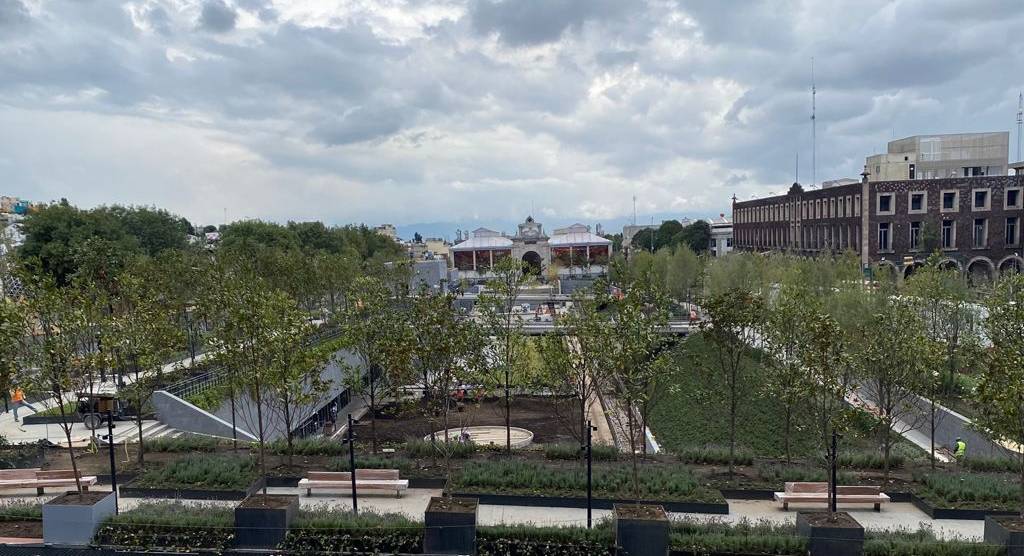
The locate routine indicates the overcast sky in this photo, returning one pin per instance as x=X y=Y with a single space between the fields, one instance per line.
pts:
x=415 y=111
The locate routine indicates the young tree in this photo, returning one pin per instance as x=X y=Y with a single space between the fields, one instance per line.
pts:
x=575 y=359
x=378 y=330
x=141 y=332
x=730 y=328
x=449 y=351
x=892 y=360
x=827 y=367
x=783 y=338
x=53 y=358
x=635 y=355
x=1000 y=392
x=942 y=299
x=508 y=348
x=294 y=377
x=13 y=330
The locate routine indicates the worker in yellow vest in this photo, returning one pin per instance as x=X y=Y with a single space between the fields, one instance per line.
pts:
x=960 y=449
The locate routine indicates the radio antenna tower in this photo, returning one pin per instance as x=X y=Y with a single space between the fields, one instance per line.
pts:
x=814 y=129
x=1020 y=121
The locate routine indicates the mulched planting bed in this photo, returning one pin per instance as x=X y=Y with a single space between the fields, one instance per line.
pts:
x=549 y=419
x=22 y=529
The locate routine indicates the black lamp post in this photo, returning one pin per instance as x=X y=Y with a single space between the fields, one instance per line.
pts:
x=588 y=449
x=352 y=464
x=113 y=465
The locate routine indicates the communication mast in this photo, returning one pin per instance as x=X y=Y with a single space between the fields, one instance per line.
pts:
x=814 y=129
x=1020 y=121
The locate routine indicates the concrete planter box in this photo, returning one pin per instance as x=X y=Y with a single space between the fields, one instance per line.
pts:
x=640 y=530
x=262 y=520
x=955 y=513
x=844 y=537
x=1006 y=531
x=72 y=519
x=450 y=526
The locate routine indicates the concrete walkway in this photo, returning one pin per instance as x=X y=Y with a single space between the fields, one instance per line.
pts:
x=414 y=502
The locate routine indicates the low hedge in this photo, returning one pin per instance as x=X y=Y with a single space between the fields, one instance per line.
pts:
x=713 y=455
x=534 y=479
x=699 y=538
x=331 y=531
x=307 y=447
x=425 y=449
x=568 y=452
x=869 y=460
x=522 y=540
x=201 y=471
x=21 y=511
x=980 y=464
x=184 y=443
x=777 y=474
x=922 y=542
x=968 y=491
x=370 y=462
x=169 y=526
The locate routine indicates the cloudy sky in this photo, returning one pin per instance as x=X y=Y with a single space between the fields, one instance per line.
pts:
x=416 y=111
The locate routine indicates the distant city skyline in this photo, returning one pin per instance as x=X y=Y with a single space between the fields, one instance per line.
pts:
x=408 y=111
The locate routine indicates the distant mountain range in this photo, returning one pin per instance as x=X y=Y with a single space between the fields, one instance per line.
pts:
x=447 y=230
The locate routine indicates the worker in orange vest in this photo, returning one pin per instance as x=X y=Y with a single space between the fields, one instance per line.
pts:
x=18 y=397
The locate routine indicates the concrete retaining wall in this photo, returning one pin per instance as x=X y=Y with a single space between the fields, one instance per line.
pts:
x=179 y=414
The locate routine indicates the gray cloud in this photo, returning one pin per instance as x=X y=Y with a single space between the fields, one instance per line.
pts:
x=528 y=22
x=13 y=12
x=480 y=107
x=217 y=17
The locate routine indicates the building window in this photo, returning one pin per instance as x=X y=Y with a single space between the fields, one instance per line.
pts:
x=950 y=201
x=918 y=202
x=979 y=198
x=915 y=236
x=856 y=206
x=884 y=239
x=980 y=233
x=832 y=208
x=817 y=208
x=1013 y=197
x=948 y=235
x=1011 y=231
x=884 y=204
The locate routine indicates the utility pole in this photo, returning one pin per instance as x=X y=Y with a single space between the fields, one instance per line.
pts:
x=590 y=473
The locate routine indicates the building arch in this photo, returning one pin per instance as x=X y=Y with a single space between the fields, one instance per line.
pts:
x=534 y=263
x=980 y=270
x=911 y=268
x=1011 y=264
x=950 y=264
x=887 y=270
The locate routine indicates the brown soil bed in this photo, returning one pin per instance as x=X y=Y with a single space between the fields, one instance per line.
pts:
x=21 y=529
x=453 y=505
x=275 y=501
x=78 y=499
x=821 y=519
x=640 y=511
x=1014 y=523
x=550 y=420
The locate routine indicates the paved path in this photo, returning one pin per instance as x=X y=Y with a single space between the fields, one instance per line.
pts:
x=414 y=502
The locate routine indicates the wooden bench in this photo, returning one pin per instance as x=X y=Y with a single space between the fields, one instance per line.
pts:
x=366 y=480
x=26 y=478
x=818 y=493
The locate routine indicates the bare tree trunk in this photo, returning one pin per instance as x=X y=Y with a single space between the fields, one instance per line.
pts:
x=632 y=451
x=932 y=431
x=786 y=433
x=67 y=434
x=508 y=412
x=259 y=420
x=373 y=413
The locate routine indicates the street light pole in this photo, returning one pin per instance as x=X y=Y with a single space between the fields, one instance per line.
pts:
x=834 y=462
x=352 y=465
x=590 y=474
x=113 y=465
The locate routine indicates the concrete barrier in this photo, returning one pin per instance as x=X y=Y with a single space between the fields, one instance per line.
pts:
x=182 y=415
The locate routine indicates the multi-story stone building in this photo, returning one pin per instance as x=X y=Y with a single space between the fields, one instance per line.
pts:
x=974 y=222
